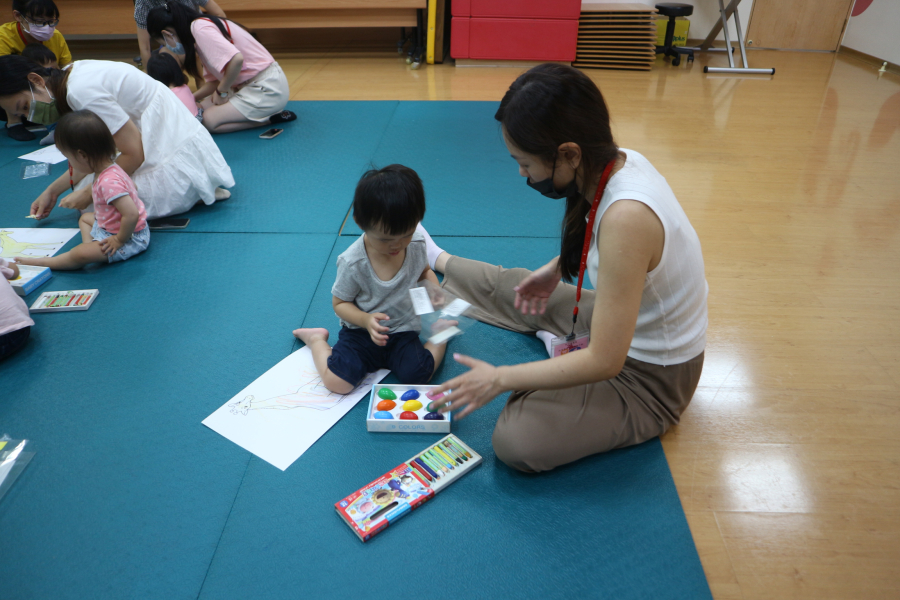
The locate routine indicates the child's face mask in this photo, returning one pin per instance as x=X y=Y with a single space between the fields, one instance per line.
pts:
x=43 y=113
x=41 y=33
x=173 y=44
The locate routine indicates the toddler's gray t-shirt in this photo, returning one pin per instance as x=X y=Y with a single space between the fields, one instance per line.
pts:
x=357 y=282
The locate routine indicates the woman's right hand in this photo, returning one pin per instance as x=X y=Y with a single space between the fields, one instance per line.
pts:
x=533 y=292
x=40 y=208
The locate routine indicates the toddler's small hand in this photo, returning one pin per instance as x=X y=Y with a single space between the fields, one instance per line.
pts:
x=442 y=324
x=377 y=331
x=110 y=245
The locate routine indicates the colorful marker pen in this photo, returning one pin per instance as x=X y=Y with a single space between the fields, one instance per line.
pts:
x=446 y=456
x=440 y=459
x=435 y=464
x=454 y=452
x=419 y=462
x=417 y=469
x=458 y=446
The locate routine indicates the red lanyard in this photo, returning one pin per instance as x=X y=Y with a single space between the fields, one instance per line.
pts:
x=22 y=35
x=71 y=177
x=587 y=236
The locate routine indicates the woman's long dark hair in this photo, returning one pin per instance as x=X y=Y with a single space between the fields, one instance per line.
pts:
x=14 y=70
x=179 y=17
x=550 y=105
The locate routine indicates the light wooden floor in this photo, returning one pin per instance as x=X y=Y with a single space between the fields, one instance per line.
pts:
x=788 y=460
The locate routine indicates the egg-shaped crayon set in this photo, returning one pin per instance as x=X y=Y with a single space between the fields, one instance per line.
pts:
x=405 y=409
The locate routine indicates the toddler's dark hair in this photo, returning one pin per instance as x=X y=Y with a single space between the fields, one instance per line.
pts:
x=391 y=198
x=39 y=53
x=163 y=67
x=83 y=130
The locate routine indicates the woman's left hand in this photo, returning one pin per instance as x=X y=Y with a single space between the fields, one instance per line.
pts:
x=471 y=390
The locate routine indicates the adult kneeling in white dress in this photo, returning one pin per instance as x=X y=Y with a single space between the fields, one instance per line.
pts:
x=171 y=158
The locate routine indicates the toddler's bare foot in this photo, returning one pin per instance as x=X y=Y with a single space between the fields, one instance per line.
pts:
x=311 y=334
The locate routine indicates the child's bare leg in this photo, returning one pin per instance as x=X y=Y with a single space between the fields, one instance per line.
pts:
x=317 y=340
x=76 y=258
x=437 y=351
x=85 y=224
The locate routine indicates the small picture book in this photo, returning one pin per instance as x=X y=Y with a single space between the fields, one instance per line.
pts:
x=30 y=278
x=371 y=509
x=64 y=301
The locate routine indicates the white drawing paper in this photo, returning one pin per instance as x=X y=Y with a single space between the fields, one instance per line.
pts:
x=16 y=242
x=47 y=154
x=281 y=414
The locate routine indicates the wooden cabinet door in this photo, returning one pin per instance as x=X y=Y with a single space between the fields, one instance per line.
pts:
x=798 y=24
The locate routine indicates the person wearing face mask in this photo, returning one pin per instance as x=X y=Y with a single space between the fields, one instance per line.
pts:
x=244 y=86
x=171 y=158
x=34 y=22
x=143 y=7
x=626 y=359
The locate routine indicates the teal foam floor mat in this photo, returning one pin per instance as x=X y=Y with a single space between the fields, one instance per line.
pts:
x=18 y=194
x=472 y=185
x=11 y=149
x=128 y=492
x=303 y=180
x=130 y=496
x=609 y=526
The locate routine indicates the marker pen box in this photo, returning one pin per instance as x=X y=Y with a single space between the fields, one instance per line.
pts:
x=371 y=509
x=404 y=409
x=64 y=301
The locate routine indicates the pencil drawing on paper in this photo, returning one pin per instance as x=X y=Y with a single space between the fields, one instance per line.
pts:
x=311 y=394
x=267 y=416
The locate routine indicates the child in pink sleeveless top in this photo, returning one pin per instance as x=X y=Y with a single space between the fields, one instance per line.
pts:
x=117 y=229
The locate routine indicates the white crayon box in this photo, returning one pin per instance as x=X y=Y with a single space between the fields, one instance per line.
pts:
x=405 y=409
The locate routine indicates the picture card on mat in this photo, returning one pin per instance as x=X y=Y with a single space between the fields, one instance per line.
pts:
x=33 y=241
x=281 y=414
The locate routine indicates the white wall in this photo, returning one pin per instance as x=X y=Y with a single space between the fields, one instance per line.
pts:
x=706 y=13
x=875 y=31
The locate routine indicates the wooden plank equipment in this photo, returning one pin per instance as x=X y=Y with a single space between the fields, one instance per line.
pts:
x=616 y=36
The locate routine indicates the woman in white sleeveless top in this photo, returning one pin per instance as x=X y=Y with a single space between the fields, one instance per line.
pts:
x=647 y=318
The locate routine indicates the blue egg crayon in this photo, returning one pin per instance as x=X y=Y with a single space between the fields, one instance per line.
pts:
x=383 y=414
x=410 y=395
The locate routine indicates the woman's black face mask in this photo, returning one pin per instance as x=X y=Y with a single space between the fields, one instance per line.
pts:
x=546 y=187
